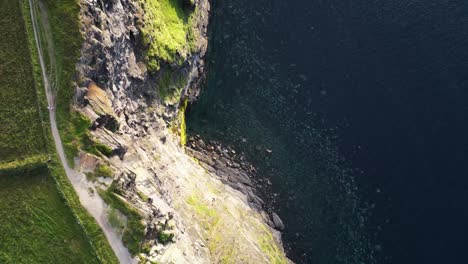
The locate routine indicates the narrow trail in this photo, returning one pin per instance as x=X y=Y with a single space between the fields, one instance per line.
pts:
x=91 y=201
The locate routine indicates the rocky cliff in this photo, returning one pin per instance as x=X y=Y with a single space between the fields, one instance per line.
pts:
x=137 y=71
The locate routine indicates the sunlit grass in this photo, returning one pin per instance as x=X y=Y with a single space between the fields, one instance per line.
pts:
x=167 y=31
x=36 y=225
x=55 y=206
x=21 y=132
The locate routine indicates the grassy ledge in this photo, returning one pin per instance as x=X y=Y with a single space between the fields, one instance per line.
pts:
x=167 y=31
x=134 y=233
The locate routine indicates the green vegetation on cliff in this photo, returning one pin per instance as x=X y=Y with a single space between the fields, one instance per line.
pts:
x=134 y=233
x=223 y=235
x=170 y=85
x=183 y=125
x=167 y=31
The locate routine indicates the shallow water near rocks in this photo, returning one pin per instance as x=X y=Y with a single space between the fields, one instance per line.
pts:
x=363 y=105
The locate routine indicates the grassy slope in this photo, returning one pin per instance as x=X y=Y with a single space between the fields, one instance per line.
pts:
x=21 y=132
x=65 y=25
x=134 y=233
x=167 y=31
x=67 y=11
x=24 y=134
x=74 y=128
x=36 y=225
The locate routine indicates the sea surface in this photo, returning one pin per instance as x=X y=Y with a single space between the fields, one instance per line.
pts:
x=364 y=108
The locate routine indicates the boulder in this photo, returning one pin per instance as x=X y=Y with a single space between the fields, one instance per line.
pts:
x=240 y=177
x=277 y=221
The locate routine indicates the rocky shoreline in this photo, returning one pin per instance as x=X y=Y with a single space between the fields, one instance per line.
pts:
x=233 y=169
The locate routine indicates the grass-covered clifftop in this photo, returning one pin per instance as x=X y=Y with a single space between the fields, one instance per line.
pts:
x=67 y=39
x=21 y=132
x=62 y=51
x=42 y=218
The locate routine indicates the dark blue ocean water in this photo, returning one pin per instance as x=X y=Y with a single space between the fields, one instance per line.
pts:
x=365 y=106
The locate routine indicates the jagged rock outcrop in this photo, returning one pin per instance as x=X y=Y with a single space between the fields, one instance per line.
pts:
x=197 y=207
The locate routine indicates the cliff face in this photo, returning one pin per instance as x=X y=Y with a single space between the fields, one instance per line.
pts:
x=134 y=87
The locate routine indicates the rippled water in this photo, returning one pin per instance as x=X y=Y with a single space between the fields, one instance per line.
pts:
x=364 y=105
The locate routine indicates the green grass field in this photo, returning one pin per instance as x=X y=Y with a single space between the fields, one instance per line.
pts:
x=41 y=218
x=36 y=225
x=21 y=132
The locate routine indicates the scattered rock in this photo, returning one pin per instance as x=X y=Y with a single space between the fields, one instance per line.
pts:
x=277 y=221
